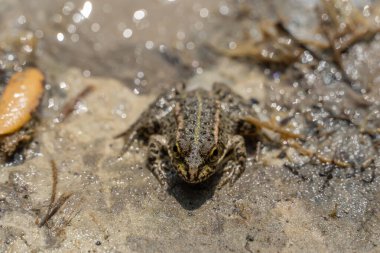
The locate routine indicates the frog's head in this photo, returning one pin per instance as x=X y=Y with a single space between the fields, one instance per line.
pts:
x=197 y=163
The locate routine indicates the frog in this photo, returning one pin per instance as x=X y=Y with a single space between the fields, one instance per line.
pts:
x=201 y=133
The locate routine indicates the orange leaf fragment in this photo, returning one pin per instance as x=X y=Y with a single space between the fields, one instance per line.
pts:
x=19 y=99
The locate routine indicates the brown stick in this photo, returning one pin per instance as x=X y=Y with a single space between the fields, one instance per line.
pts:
x=54 y=206
x=54 y=184
x=262 y=124
x=70 y=106
x=287 y=135
x=311 y=154
x=61 y=200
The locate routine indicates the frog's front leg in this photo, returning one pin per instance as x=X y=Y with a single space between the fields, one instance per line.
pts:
x=149 y=122
x=236 y=161
x=156 y=148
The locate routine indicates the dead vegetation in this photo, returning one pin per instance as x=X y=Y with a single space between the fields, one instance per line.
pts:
x=55 y=204
x=342 y=25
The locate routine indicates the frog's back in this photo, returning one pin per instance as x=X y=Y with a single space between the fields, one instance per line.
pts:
x=199 y=118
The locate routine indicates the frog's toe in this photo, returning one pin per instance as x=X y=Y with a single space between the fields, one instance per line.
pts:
x=231 y=175
x=236 y=174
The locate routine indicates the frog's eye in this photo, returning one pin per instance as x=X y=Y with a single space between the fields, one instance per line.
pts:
x=214 y=154
x=175 y=150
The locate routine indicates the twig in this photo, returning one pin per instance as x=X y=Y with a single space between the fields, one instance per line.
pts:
x=61 y=200
x=311 y=154
x=54 y=185
x=262 y=124
x=54 y=205
x=287 y=136
x=70 y=106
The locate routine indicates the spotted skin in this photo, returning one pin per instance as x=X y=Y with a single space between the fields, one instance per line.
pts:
x=199 y=131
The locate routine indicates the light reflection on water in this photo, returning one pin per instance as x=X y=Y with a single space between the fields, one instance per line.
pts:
x=109 y=38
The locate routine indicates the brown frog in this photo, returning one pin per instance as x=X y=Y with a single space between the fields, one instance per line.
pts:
x=200 y=131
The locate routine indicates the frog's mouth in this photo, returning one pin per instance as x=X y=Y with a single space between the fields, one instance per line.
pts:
x=194 y=175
